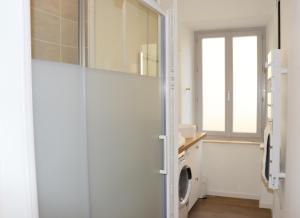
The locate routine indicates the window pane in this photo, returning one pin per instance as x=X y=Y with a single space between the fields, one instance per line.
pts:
x=245 y=84
x=213 y=83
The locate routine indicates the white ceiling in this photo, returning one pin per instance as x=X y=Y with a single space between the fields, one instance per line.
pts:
x=218 y=14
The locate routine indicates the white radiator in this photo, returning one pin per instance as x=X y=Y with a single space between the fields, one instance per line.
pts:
x=274 y=133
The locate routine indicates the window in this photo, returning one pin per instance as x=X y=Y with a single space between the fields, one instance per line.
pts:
x=213 y=92
x=230 y=71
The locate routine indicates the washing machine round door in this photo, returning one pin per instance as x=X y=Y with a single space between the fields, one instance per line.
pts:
x=185 y=178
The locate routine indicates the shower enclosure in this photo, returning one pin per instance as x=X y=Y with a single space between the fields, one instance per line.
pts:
x=100 y=131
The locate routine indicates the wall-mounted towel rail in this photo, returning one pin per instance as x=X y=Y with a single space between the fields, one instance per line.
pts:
x=274 y=141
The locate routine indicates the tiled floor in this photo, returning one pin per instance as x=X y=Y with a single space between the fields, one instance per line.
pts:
x=220 y=207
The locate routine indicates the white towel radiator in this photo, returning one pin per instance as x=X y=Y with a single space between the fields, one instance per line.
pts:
x=276 y=89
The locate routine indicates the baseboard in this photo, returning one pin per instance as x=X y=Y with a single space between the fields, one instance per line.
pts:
x=233 y=195
x=273 y=214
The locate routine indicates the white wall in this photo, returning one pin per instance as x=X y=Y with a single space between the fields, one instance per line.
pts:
x=186 y=68
x=291 y=48
x=219 y=14
x=271 y=30
x=286 y=201
x=232 y=170
x=18 y=196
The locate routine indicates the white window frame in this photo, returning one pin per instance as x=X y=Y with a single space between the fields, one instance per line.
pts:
x=228 y=34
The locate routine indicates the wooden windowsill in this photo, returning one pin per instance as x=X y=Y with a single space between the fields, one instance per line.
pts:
x=247 y=142
x=191 y=141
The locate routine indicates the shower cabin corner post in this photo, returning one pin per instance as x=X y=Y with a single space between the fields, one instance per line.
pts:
x=169 y=67
x=173 y=103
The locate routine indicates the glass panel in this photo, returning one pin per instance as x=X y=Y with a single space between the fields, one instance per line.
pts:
x=126 y=37
x=213 y=83
x=60 y=145
x=124 y=162
x=54 y=26
x=121 y=35
x=245 y=84
x=109 y=37
x=136 y=37
x=153 y=44
x=89 y=163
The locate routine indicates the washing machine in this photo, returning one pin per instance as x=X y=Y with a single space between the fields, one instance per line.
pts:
x=185 y=185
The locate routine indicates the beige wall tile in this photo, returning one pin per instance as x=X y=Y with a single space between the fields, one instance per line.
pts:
x=69 y=33
x=53 y=32
x=45 y=51
x=86 y=7
x=51 y=6
x=69 y=55
x=45 y=27
x=70 y=9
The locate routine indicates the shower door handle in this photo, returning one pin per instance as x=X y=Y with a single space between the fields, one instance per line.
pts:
x=164 y=171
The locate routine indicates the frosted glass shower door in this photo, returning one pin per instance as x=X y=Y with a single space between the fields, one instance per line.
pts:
x=124 y=121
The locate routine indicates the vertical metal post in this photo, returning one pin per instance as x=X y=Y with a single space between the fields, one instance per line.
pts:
x=279 y=23
x=81 y=32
